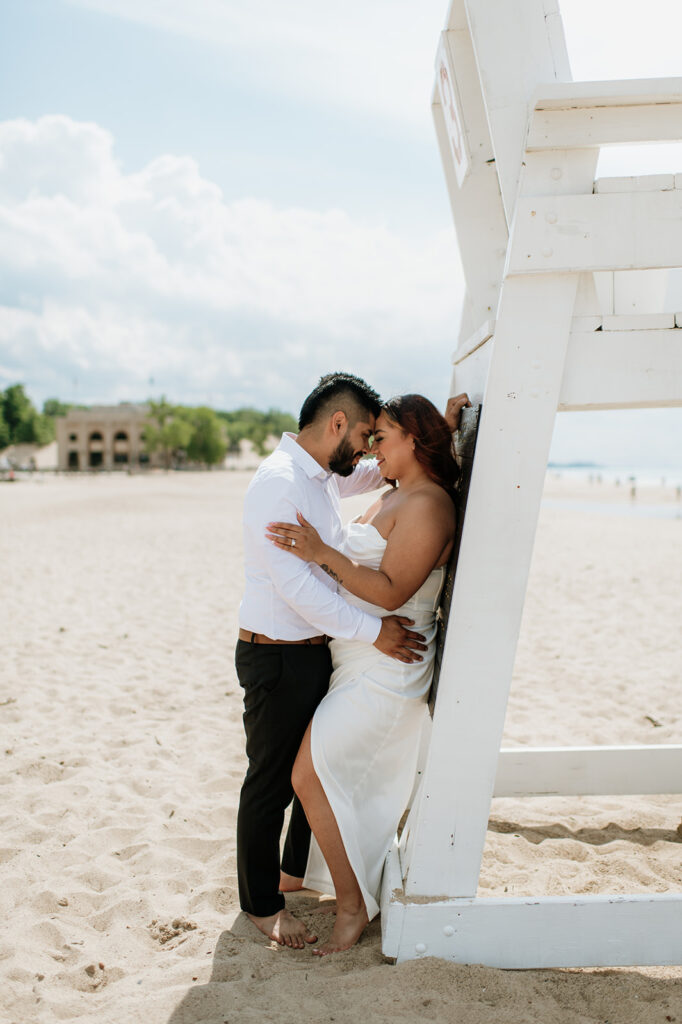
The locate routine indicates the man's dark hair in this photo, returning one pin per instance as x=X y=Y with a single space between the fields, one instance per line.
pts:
x=339 y=391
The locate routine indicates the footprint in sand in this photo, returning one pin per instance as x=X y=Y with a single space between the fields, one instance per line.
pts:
x=164 y=931
x=94 y=977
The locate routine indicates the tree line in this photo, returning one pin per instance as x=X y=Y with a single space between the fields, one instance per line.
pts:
x=181 y=433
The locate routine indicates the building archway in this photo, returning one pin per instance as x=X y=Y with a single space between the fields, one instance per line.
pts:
x=121 y=448
x=95 y=450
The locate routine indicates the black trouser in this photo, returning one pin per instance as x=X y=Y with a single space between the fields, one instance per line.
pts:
x=283 y=684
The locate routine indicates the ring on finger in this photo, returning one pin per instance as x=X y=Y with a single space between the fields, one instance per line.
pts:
x=293 y=542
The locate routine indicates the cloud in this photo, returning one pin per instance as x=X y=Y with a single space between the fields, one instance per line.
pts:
x=113 y=280
x=118 y=286
x=371 y=58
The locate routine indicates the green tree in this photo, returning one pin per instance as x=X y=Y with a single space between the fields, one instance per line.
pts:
x=167 y=430
x=4 y=430
x=256 y=426
x=53 y=407
x=17 y=408
x=207 y=444
x=23 y=424
x=35 y=429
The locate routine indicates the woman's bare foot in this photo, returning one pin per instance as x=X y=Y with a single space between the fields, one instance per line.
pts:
x=283 y=927
x=289 y=883
x=348 y=927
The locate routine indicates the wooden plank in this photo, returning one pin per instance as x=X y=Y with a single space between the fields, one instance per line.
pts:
x=638 y=291
x=476 y=204
x=590 y=127
x=392 y=911
x=515 y=431
x=569 y=931
x=622 y=370
x=636 y=183
x=517 y=46
x=631 y=92
x=585 y=324
x=569 y=233
x=584 y=771
x=451 y=107
x=604 y=285
x=639 y=322
x=465 y=446
x=588 y=302
x=470 y=374
x=474 y=341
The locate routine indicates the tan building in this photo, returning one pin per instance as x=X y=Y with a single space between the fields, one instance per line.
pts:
x=103 y=437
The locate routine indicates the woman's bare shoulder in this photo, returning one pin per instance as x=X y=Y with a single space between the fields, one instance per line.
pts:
x=432 y=505
x=430 y=498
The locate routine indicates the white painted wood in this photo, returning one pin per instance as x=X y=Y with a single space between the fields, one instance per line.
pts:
x=630 y=92
x=587 y=300
x=567 y=771
x=476 y=205
x=504 y=497
x=570 y=931
x=622 y=370
x=470 y=375
x=636 y=183
x=585 y=324
x=478 y=338
x=579 y=255
x=515 y=52
x=608 y=126
x=678 y=181
x=639 y=291
x=626 y=231
x=603 y=369
x=639 y=322
x=451 y=106
x=392 y=911
x=603 y=284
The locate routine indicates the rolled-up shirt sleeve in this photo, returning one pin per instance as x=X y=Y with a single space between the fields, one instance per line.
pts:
x=296 y=582
x=365 y=477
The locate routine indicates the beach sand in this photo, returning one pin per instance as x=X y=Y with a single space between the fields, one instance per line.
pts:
x=122 y=750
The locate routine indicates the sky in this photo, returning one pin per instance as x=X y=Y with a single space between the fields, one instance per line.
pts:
x=220 y=200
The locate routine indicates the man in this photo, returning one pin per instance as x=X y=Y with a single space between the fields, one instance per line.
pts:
x=288 y=610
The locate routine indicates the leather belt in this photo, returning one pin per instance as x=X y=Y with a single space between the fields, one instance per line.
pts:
x=260 y=638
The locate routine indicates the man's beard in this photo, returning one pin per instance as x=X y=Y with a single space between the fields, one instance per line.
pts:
x=342 y=459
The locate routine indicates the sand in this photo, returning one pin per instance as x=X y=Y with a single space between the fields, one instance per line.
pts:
x=122 y=750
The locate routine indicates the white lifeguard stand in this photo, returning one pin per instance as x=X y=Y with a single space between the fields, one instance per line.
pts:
x=565 y=279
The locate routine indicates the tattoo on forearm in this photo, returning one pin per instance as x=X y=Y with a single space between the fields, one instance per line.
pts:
x=330 y=572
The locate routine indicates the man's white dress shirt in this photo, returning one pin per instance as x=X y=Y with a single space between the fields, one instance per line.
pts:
x=286 y=598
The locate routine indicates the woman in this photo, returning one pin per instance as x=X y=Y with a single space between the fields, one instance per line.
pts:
x=355 y=769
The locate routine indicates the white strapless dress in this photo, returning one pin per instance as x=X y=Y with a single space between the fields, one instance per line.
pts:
x=365 y=733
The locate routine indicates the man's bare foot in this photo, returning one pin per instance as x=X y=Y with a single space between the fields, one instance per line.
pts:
x=348 y=927
x=283 y=927
x=289 y=883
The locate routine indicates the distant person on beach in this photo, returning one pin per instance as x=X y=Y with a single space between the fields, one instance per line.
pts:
x=289 y=609
x=357 y=763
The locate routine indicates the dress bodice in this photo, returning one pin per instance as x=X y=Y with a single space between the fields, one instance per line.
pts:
x=363 y=543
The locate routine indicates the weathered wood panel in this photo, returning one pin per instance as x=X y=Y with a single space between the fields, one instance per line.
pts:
x=622 y=370
x=591 y=128
x=606 y=231
x=464 y=441
x=559 y=931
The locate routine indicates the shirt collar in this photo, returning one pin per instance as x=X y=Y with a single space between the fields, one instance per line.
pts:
x=307 y=463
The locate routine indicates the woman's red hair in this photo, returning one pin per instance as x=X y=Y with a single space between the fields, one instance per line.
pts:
x=419 y=417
